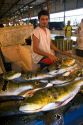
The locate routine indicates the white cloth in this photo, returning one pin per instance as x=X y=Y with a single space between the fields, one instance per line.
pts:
x=44 y=43
x=80 y=37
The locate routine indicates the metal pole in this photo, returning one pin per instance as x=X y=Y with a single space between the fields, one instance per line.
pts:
x=64 y=9
x=48 y=7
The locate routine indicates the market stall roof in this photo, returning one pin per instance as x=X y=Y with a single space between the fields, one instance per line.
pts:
x=10 y=7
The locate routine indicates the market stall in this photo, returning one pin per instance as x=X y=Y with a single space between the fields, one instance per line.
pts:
x=14 y=48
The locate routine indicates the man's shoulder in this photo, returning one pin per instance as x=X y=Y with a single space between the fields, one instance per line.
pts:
x=65 y=27
x=68 y=27
x=48 y=30
x=36 y=29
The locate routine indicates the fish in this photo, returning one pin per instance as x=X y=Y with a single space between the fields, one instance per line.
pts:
x=9 y=104
x=11 y=75
x=48 y=72
x=68 y=61
x=36 y=76
x=51 y=98
x=65 y=62
x=46 y=99
x=9 y=88
x=48 y=75
x=62 y=70
x=65 y=76
x=41 y=74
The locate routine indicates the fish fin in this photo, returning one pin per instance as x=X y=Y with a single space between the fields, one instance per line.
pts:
x=50 y=106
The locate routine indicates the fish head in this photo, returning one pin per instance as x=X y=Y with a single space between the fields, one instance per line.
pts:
x=42 y=100
x=38 y=84
x=11 y=75
x=68 y=62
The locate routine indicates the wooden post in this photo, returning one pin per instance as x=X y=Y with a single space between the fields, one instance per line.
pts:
x=2 y=68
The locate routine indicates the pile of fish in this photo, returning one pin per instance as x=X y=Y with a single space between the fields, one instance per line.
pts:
x=48 y=89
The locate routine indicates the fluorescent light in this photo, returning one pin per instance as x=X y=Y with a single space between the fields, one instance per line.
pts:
x=31 y=7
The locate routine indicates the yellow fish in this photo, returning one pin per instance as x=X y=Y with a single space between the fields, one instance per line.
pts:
x=51 y=98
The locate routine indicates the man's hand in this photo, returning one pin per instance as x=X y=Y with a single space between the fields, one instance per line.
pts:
x=66 y=53
x=52 y=58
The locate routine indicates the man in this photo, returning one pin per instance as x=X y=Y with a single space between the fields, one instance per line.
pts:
x=42 y=49
x=80 y=35
x=41 y=42
x=68 y=30
x=79 y=50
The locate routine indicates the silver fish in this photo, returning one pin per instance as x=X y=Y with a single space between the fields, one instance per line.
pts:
x=65 y=77
x=48 y=75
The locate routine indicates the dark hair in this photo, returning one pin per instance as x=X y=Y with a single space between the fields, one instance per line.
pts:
x=43 y=12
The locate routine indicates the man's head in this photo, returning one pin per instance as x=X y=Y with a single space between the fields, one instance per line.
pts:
x=82 y=20
x=43 y=17
x=68 y=23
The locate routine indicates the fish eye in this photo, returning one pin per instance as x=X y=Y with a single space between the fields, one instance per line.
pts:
x=36 y=83
x=50 y=96
x=30 y=95
x=57 y=116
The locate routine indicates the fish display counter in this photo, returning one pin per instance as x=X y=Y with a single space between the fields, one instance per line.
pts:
x=44 y=97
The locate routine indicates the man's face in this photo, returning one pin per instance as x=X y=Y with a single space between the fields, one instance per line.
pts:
x=69 y=23
x=43 y=21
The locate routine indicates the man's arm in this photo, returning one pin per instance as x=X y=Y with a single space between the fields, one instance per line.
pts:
x=53 y=47
x=39 y=51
